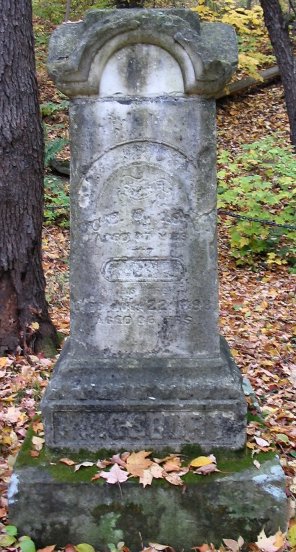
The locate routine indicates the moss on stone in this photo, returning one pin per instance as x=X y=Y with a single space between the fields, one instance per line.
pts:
x=49 y=460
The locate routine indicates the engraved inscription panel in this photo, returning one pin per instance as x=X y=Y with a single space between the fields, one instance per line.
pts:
x=143 y=270
x=126 y=427
x=140 y=211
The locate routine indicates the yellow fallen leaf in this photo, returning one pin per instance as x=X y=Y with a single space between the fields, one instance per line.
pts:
x=3 y=361
x=292 y=534
x=202 y=461
x=34 y=326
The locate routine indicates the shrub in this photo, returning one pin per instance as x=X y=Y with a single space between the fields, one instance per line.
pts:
x=259 y=182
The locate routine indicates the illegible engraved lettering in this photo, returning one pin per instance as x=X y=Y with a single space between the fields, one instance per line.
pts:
x=143 y=270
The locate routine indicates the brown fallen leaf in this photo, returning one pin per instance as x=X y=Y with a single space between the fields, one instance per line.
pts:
x=115 y=475
x=3 y=361
x=146 y=478
x=207 y=469
x=204 y=548
x=70 y=548
x=37 y=426
x=47 y=548
x=103 y=464
x=156 y=470
x=172 y=464
x=67 y=461
x=137 y=462
x=173 y=478
x=34 y=453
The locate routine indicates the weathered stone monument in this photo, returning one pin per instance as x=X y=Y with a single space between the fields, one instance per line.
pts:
x=144 y=366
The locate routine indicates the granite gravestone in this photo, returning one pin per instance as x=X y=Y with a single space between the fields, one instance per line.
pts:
x=144 y=366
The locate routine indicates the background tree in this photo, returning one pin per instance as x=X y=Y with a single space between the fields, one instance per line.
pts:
x=24 y=318
x=278 y=29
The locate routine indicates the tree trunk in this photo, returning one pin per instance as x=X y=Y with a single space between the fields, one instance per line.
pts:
x=24 y=320
x=279 y=36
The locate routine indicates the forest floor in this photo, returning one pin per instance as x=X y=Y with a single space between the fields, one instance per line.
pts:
x=256 y=315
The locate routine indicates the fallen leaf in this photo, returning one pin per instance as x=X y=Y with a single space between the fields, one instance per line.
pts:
x=203 y=548
x=67 y=461
x=173 y=478
x=70 y=548
x=116 y=459
x=83 y=547
x=47 y=548
x=157 y=546
x=34 y=453
x=261 y=442
x=234 y=545
x=103 y=464
x=272 y=543
x=282 y=438
x=137 y=462
x=11 y=530
x=38 y=442
x=156 y=470
x=172 y=464
x=6 y=540
x=202 y=461
x=206 y=469
x=292 y=534
x=146 y=478
x=37 y=426
x=257 y=464
x=12 y=414
x=115 y=475
x=26 y=544
x=83 y=465
x=3 y=361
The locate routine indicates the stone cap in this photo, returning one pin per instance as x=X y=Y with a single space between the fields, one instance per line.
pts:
x=205 y=52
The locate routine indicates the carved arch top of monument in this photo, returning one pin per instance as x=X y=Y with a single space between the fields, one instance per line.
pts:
x=103 y=55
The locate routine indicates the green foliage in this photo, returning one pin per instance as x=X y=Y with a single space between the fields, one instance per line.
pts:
x=57 y=203
x=26 y=544
x=53 y=147
x=260 y=182
x=8 y=538
x=49 y=108
x=254 y=45
x=55 y=10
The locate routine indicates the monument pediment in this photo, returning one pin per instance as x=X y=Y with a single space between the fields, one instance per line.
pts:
x=80 y=52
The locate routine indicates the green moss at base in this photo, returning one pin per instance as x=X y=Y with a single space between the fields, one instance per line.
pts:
x=49 y=460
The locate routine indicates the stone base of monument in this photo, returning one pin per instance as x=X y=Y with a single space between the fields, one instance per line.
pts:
x=53 y=504
x=167 y=402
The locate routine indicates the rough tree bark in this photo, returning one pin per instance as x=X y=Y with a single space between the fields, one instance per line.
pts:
x=24 y=319
x=279 y=35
